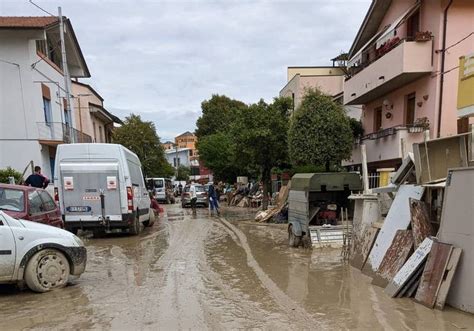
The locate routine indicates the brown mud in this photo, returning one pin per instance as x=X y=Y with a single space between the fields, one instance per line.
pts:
x=203 y=272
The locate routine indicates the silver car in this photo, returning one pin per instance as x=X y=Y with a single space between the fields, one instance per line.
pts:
x=201 y=193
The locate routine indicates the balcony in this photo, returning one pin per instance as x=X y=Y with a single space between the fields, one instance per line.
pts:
x=388 y=144
x=55 y=133
x=402 y=64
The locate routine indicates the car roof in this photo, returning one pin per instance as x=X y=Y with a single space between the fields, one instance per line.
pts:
x=20 y=187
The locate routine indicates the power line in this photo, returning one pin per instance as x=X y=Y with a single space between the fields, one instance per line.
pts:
x=37 y=6
x=444 y=73
x=457 y=43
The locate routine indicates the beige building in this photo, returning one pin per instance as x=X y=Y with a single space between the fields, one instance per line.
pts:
x=187 y=140
x=90 y=115
x=330 y=80
x=168 y=145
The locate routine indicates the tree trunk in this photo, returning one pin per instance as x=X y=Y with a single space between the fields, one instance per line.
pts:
x=266 y=176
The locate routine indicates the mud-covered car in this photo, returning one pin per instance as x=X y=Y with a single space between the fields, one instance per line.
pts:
x=40 y=256
x=201 y=196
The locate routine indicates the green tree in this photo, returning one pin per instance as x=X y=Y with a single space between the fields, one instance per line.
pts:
x=356 y=127
x=141 y=138
x=183 y=173
x=218 y=113
x=320 y=133
x=260 y=137
x=10 y=172
x=217 y=152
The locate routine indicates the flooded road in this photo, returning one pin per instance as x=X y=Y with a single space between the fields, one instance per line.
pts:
x=202 y=272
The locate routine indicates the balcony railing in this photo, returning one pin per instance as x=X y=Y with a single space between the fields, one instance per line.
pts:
x=412 y=128
x=61 y=133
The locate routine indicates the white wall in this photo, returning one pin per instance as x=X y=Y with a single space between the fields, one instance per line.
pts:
x=21 y=101
x=183 y=155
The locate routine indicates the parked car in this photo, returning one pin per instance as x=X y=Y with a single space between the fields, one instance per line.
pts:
x=41 y=256
x=201 y=196
x=30 y=203
x=162 y=188
x=100 y=187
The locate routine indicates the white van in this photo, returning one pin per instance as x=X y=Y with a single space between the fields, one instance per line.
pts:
x=100 y=187
x=162 y=188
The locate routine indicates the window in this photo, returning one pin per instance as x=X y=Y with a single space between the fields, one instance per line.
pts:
x=48 y=116
x=35 y=202
x=12 y=200
x=176 y=161
x=377 y=119
x=190 y=152
x=410 y=109
x=413 y=25
x=48 y=203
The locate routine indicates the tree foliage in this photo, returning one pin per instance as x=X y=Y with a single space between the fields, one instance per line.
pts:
x=217 y=152
x=356 y=127
x=9 y=172
x=183 y=173
x=141 y=138
x=218 y=113
x=260 y=137
x=320 y=133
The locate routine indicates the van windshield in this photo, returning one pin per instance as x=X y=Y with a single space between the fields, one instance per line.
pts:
x=158 y=183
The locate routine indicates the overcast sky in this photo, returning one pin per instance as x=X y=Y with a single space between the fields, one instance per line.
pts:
x=161 y=59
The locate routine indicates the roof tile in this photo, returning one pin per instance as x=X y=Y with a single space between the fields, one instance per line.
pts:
x=29 y=22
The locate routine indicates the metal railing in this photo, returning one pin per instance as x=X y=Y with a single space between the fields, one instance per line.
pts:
x=412 y=128
x=57 y=131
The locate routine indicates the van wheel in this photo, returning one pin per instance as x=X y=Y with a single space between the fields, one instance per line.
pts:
x=135 y=226
x=46 y=270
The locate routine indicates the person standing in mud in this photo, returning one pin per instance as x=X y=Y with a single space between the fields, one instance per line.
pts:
x=192 y=192
x=213 y=199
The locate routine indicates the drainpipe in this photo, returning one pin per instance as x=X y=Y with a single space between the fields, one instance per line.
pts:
x=443 y=60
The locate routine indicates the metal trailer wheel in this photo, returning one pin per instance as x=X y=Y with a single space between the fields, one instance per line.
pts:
x=48 y=269
x=293 y=240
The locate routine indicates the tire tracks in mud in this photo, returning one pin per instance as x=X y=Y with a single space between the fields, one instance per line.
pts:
x=297 y=313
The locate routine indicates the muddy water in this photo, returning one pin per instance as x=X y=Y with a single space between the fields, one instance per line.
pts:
x=201 y=272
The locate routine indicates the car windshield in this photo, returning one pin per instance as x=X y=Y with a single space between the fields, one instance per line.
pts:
x=200 y=188
x=11 y=199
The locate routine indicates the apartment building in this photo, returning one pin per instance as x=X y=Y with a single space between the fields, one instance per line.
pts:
x=90 y=115
x=327 y=79
x=403 y=70
x=33 y=116
x=187 y=140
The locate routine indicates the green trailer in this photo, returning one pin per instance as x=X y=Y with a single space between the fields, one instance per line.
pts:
x=315 y=196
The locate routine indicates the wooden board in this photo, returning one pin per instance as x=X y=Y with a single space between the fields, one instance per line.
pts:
x=420 y=221
x=398 y=218
x=433 y=274
x=409 y=268
x=396 y=256
x=363 y=248
x=412 y=284
x=448 y=278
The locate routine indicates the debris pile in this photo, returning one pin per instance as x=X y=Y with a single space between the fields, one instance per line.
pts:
x=280 y=207
x=401 y=252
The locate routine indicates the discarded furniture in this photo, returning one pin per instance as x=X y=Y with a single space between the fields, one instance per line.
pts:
x=434 y=157
x=312 y=197
x=398 y=218
x=457 y=228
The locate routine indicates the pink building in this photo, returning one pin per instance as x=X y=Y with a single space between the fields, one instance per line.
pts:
x=395 y=71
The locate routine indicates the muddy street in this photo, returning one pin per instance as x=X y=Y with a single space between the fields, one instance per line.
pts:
x=202 y=272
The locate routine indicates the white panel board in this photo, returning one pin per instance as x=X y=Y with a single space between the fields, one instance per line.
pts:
x=457 y=228
x=398 y=218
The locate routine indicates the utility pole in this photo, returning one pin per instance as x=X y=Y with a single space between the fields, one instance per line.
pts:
x=67 y=78
x=177 y=161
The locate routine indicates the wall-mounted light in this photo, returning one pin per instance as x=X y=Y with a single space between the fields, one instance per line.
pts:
x=387 y=104
x=388 y=115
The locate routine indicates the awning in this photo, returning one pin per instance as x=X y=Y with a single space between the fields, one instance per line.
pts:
x=390 y=32
x=357 y=58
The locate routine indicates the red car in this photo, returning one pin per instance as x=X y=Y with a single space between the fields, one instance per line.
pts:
x=30 y=203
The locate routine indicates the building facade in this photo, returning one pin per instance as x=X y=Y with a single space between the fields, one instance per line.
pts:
x=90 y=115
x=168 y=145
x=402 y=69
x=33 y=113
x=187 y=140
x=179 y=157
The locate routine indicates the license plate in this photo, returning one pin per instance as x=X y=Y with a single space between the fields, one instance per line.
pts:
x=79 y=209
